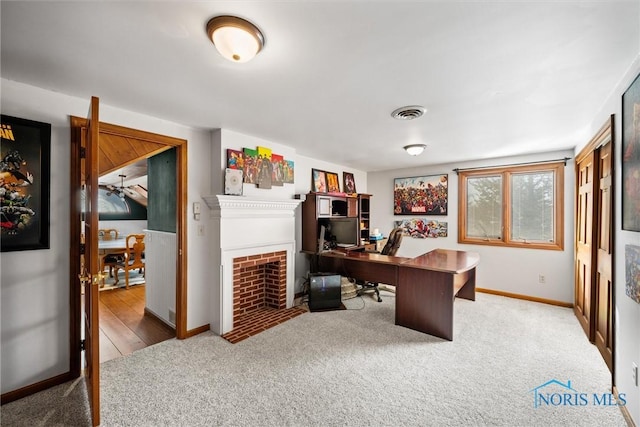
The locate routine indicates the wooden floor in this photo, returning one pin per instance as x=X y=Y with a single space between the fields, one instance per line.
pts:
x=124 y=327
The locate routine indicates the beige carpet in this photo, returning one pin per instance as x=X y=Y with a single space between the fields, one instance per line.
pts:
x=354 y=367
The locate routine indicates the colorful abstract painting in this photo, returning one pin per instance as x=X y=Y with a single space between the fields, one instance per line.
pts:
x=422 y=228
x=420 y=195
x=261 y=166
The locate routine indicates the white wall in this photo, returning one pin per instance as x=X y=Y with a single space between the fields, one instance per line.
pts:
x=627 y=311
x=34 y=287
x=513 y=270
x=160 y=273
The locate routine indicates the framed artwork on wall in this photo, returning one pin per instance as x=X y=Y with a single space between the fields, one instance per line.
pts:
x=423 y=195
x=631 y=157
x=318 y=181
x=422 y=228
x=25 y=151
x=348 y=183
x=333 y=185
x=235 y=159
x=632 y=272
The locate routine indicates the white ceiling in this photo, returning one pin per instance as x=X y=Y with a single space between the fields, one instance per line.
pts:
x=497 y=77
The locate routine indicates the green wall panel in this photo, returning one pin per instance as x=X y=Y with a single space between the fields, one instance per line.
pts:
x=161 y=207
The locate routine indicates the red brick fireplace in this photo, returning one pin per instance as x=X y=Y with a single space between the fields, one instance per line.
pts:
x=259 y=294
x=252 y=238
x=259 y=281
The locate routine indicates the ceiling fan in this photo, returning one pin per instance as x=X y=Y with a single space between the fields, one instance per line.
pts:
x=119 y=191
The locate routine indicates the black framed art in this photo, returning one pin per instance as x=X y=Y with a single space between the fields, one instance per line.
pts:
x=333 y=184
x=631 y=157
x=420 y=195
x=24 y=183
x=348 y=183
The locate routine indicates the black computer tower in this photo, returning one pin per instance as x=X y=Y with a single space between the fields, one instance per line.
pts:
x=325 y=292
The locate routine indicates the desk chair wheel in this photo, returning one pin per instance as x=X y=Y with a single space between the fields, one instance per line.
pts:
x=368 y=286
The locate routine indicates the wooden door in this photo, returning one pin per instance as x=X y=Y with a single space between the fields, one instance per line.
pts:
x=604 y=251
x=594 y=291
x=583 y=307
x=91 y=271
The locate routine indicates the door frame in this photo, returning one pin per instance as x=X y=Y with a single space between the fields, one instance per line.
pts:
x=77 y=124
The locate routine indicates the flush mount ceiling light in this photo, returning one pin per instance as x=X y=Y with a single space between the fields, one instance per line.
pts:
x=236 y=39
x=408 y=113
x=415 y=149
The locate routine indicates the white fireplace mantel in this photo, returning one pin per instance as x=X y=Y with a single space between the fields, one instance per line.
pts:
x=241 y=206
x=245 y=226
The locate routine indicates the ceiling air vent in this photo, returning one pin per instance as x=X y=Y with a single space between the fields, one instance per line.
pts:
x=408 y=113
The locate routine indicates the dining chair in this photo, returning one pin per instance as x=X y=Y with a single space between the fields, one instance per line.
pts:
x=107 y=234
x=133 y=257
x=109 y=260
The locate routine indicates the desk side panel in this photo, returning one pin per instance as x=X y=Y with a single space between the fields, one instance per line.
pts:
x=424 y=301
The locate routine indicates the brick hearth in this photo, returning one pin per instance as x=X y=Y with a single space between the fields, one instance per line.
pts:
x=259 y=294
x=260 y=320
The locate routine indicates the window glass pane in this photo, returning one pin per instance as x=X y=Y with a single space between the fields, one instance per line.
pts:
x=532 y=206
x=484 y=207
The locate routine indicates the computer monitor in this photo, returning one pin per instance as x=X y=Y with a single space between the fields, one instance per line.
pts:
x=344 y=231
x=321 y=239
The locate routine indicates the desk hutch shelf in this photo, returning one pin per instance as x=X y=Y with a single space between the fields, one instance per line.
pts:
x=319 y=208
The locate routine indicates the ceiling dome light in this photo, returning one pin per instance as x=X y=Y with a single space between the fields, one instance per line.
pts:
x=236 y=39
x=415 y=149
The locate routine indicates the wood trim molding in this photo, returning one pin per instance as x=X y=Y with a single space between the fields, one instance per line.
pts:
x=604 y=135
x=525 y=297
x=193 y=332
x=150 y=313
x=36 y=387
x=125 y=132
x=181 y=226
x=625 y=412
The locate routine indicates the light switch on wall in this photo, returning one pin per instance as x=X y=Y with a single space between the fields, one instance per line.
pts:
x=196 y=211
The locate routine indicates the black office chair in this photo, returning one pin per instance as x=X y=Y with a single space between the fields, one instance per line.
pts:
x=390 y=248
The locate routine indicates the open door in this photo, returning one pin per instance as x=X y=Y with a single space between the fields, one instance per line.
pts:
x=86 y=159
x=90 y=274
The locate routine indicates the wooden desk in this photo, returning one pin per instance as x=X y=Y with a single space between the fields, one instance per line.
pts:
x=426 y=286
x=371 y=267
